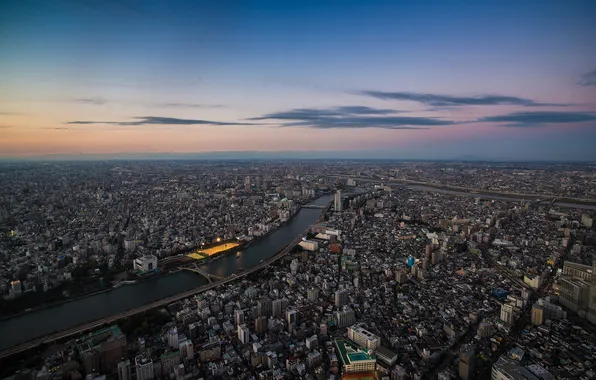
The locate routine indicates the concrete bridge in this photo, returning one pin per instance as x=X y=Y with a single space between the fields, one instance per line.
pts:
x=210 y=277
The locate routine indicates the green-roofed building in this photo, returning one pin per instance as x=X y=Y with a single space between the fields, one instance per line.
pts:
x=353 y=358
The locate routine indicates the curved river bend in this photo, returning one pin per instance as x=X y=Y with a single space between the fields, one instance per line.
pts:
x=26 y=327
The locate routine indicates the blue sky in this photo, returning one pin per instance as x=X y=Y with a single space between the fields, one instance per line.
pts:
x=437 y=78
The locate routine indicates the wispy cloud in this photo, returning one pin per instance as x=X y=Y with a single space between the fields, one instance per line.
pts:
x=156 y=120
x=5 y=126
x=94 y=101
x=539 y=119
x=588 y=79
x=350 y=117
x=99 y=101
x=439 y=100
x=188 y=105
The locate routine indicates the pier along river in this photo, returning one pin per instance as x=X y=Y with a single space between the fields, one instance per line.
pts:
x=38 y=323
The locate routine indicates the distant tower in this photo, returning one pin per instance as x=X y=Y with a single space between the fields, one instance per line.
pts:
x=337 y=204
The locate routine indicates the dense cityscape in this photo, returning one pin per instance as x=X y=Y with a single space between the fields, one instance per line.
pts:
x=297 y=270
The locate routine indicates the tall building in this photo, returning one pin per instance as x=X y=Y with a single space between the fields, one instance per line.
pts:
x=341 y=297
x=261 y=324
x=239 y=317
x=292 y=316
x=264 y=307
x=103 y=349
x=363 y=338
x=467 y=358
x=591 y=315
x=124 y=370
x=144 y=368
x=345 y=317
x=173 y=338
x=337 y=205
x=537 y=315
x=243 y=334
x=508 y=313
x=276 y=307
x=169 y=360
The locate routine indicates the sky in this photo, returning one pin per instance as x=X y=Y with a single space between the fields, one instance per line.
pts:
x=384 y=79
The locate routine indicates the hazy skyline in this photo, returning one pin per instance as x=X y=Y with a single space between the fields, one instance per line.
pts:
x=395 y=79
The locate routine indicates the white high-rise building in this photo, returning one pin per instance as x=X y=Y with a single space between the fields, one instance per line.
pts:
x=243 y=334
x=239 y=317
x=337 y=205
x=173 y=338
x=124 y=370
x=144 y=368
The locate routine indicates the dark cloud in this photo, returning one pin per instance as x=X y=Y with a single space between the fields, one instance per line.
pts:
x=5 y=126
x=588 y=79
x=437 y=100
x=156 y=120
x=350 y=117
x=538 y=119
x=94 y=101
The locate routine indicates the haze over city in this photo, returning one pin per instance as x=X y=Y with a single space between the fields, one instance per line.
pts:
x=366 y=79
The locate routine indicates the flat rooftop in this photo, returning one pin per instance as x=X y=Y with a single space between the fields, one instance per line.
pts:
x=350 y=352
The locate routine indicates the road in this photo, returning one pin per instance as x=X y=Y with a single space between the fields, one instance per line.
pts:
x=113 y=318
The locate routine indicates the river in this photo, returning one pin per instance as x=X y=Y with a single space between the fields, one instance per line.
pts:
x=38 y=323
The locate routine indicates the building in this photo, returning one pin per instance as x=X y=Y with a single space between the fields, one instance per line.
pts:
x=574 y=293
x=467 y=358
x=144 y=368
x=345 y=317
x=354 y=359
x=507 y=369
x=261 y=325
x=169 y=360
x=509 y=312
x=312 y=342
x=337 y=204
x=341 y=297
x=102 y=350
x=16 y=287
x=243 y=334
x=173 y=339
x=239 y=317
x=292 y=316
x=145 y=263
x=537 y=315
x=276 y=307
x=313 y=294
x=591 y=315
x=386 y=355
x=124 y=370
x=264 y=307
x=363 y=338
x=210 y=351
x=309 y=245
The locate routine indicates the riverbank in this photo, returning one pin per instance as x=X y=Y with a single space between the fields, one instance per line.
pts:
x=74 y=316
